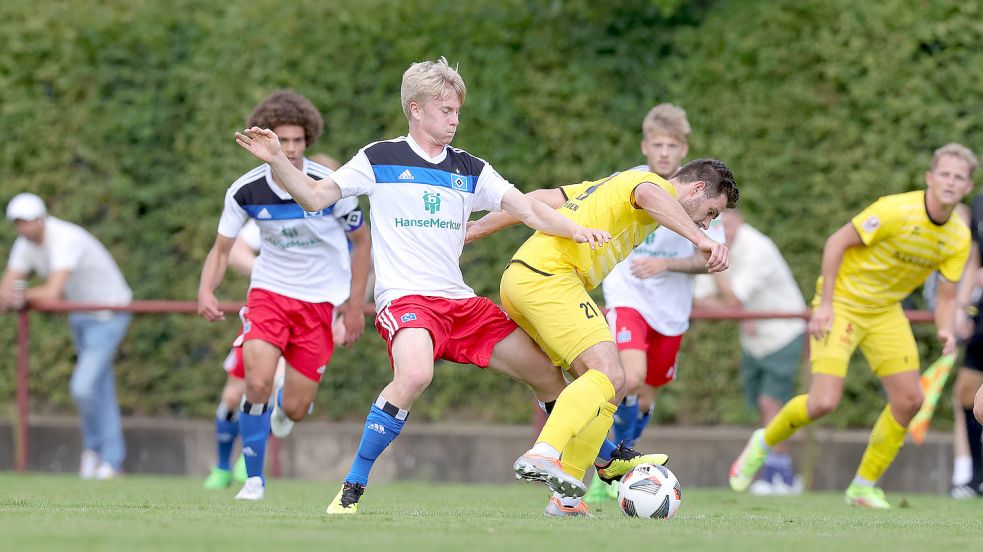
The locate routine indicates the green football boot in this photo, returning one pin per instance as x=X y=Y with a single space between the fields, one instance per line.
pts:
x=239 y=470
x=218 y=479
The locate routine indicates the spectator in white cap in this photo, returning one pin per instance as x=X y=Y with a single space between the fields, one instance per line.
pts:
x=75 y=267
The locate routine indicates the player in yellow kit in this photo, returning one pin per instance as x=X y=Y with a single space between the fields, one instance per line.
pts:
x=868 y=266
x=544 y=289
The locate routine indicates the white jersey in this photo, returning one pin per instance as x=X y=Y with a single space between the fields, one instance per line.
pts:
x=419 y=208
x=303 y=255
x=762 y=281
x=665 y=301
x=251 y=236
x=94 y=278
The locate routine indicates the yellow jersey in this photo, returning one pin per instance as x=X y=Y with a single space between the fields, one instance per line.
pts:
x=903 y=247
x=606 y=204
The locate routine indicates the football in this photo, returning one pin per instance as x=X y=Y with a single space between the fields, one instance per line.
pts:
x=649 y=491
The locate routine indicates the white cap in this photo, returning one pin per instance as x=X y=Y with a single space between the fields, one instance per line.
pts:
x=26 y=206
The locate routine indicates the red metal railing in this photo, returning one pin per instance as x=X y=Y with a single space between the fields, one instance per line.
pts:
x=22 y=439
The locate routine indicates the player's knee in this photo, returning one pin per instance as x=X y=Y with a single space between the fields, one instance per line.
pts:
x=413 y=382
x=296 y=410
x=910 y=402
x=258 y=388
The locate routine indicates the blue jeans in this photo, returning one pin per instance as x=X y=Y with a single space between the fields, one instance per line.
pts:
x=93 y=384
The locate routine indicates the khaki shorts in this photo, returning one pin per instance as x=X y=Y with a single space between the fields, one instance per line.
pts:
x=555 y=310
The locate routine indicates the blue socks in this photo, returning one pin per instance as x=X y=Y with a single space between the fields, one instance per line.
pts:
x=382 y=426
x=641 y=422
x=624 y=420
x=226 y=431
x=254 y=421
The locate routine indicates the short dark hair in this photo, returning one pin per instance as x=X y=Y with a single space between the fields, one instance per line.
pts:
x=286 y=107
x=716 y=174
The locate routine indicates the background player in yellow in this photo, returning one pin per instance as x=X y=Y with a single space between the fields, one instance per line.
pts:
x=544 y=289
x=868 y=266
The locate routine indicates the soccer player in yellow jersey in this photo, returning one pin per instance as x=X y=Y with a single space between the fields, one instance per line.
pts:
x=544 y=289
x=868 y=266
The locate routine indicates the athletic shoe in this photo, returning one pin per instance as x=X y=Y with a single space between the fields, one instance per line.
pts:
x=965 y=492
x=535 y=467
x=346 y=501
x=253 y=489
x=555 y=508
x=743 y=470
x=623 y=459
x=868 y=497
x=218 y=479
x=88 y=463
x=761 y=487
x=105 y=471
x=239 y=470
x=599 y=491
x=280 y=424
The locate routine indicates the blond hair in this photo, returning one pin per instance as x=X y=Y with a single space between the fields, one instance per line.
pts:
x=956 y=150
x=426 y=80
x=666 y=118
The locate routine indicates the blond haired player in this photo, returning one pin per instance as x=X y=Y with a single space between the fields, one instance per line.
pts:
x=544 y=289
x=868 y=266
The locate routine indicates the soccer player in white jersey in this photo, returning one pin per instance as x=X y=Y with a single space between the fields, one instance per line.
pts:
x=649 y=295
x=422 y=192
x=303 y=272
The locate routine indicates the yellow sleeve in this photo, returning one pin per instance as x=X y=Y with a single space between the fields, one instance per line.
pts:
x=952 y=267
x=882 y=219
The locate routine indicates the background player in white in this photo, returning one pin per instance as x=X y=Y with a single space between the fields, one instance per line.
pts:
x=649 y=294
x=422 y=192
x=303 y=271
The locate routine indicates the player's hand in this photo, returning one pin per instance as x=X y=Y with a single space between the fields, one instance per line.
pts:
x=353 y=316
x=821 y=322
x=261 y=142
x=948 y=341
x=646 y=267
x=596 y=238
x=208 y=306
x=716 y=254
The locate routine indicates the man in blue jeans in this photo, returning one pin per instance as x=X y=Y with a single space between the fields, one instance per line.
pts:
x=78 y=268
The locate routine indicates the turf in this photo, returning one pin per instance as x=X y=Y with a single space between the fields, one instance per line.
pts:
x=44 y=512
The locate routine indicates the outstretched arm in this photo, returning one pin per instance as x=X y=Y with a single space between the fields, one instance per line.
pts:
x=310 y=194
x=493 y=222
x=540 y=216
x=668 y=212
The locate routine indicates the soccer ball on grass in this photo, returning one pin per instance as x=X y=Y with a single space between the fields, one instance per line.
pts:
x=649 y=491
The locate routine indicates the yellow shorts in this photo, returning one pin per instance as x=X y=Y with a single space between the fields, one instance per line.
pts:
x=555 y=310
x=884 y=336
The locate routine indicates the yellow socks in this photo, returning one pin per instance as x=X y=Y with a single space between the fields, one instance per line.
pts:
x=578 y=405
x=789 y=419
x=886 y=439
x=582 y=449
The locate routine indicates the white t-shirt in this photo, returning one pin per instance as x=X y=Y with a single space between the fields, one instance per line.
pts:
x=419 y=209
x=94 y=278
x=665 y=300
x=303 y=255
x=251 y=235
x=761 y=281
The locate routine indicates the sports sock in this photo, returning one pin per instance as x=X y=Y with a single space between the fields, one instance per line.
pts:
x=226 y=431
x=643 y=420
x=778 y=463
x=789 y=419
x=254 y=423
x=578 y=405
x=604 y=455
x=382 y=426
x=974 y=433
x=583 y=448
x=886 y=440
x=625 y=419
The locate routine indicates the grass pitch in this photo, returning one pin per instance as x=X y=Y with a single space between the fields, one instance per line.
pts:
x=45 y=512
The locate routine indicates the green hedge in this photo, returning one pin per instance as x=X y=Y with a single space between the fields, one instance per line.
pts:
x=121 y=113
